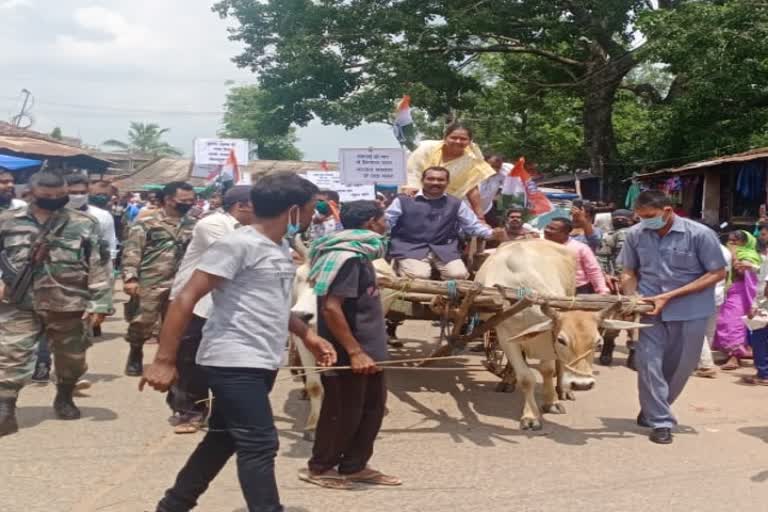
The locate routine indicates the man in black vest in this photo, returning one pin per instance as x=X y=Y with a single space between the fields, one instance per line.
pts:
x=425 y=229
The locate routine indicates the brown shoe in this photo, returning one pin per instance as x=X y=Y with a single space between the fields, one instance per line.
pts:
x=706 y=373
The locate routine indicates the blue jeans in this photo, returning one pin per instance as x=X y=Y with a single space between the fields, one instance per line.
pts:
x=759 y=341
x=241 y=424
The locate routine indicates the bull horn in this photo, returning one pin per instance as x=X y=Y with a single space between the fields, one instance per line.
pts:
x=551 y=313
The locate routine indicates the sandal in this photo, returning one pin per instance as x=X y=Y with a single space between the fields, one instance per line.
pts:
x=328 y=480
x=373 y=477
x=754 y=380
x=729 y=366
x=186 y=428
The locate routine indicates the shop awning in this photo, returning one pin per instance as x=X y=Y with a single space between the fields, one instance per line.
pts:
x=14 y=163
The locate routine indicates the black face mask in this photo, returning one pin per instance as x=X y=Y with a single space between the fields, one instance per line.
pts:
x=183 y=208
x=99 y=200
x=51 y=204
x=621 y=224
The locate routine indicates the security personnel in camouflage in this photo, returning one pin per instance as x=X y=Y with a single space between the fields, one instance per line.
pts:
x=607 y=255
x=152 y=252
x=69 y=288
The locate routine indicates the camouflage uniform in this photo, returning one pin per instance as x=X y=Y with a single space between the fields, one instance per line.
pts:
x=609 y=250
x=71 y=279
x=151 y=254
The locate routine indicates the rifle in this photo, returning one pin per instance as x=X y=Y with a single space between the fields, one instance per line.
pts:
x=20 y=281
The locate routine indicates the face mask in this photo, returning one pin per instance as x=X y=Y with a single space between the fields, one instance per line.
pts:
x=654 y=223
x=183 y=208
x=100 y=200
x=51 y=204
x=78 y=201
x=293 y=228
x=322 y=208
x=621 y=224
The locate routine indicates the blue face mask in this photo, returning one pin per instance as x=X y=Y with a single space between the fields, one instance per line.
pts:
x=655 y=223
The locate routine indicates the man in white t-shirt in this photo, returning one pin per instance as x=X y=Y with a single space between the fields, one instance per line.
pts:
x=250 y=275
x=187 y=395
x=707 y=368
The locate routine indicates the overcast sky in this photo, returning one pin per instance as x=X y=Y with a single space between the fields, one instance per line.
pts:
x=94 y=66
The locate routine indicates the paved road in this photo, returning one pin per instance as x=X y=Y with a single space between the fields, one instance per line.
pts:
x=454 y=441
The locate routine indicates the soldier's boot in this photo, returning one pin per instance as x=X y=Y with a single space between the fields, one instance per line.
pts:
x=135 y=365
x=8 y=424
x=606 y=354
x=63 y=405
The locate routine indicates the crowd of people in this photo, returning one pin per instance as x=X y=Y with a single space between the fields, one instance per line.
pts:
x=212 y=281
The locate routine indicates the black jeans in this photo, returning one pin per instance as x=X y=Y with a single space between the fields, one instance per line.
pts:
x=188 y=393
x=241 y=423
x=350 y=419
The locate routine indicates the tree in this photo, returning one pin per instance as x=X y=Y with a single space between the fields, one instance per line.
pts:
x=56 y=134
x=347 y=61
x=145 y=138
x=245 y=117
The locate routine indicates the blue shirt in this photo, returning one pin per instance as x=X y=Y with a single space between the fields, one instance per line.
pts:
x=593 y=241
x=662 y=264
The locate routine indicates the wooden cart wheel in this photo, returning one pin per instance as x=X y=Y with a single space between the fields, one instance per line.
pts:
x=496 y=362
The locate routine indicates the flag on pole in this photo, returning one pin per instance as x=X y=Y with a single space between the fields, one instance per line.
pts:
x=230 y=171
x=520 y=189
x=403 y=123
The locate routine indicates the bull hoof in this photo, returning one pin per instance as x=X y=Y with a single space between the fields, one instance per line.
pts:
x=309 y=435
x=566 y=395
x=555 y=408
x=530 y=424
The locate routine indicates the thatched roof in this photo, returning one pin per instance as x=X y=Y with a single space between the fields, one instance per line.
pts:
x=165 y=170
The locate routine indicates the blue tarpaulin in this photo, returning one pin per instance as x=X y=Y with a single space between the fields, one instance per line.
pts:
x=14 y=163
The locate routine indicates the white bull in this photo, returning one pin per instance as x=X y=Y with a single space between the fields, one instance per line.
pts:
x=541 y=333
x=305 y=304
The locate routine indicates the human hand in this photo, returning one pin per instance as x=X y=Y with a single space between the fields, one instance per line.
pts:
x=362 y=364
x=325 y=354
x=131 y=288
x=159 y=375
x=578 y=216
x=95 y=319
x=409 y=191
x=499 y=234
x=612 y=282
x=659 y=302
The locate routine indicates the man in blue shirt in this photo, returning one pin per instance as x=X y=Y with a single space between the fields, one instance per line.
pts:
x=675 y=264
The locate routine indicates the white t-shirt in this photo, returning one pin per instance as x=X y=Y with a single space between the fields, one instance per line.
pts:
x=490 y=187
x=248 y=325
x=106 y=228
x=206 y=232
x=720 y=287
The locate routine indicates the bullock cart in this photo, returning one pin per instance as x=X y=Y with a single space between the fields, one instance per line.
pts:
x=469 y=311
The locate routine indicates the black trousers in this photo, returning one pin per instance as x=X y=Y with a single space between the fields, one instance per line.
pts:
x=191 y=387
x=350 y=419
x=242 y=424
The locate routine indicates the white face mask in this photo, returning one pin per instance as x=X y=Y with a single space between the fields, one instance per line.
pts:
x=77 y=201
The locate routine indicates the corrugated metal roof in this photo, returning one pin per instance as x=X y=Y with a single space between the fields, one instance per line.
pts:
x=746 y=156
x=165 y=170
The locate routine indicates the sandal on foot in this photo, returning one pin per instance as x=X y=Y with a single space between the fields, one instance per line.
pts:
x=373 y=477
x=753 y=380
x=727 y=367
x=186 y=428
x=329 y=480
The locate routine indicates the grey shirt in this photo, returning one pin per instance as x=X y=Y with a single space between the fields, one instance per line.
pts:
x=663 y=264
x=248 y=325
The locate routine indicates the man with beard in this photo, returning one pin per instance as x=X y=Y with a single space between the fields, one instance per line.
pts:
x=7 y=199
x=250 y=273
x=151 y=256
x=515 y=228
x=68 y=288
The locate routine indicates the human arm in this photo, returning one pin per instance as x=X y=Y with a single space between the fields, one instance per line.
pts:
x=592 y=270
x=161 y=374
x=323 y=351
x=133 y=250
x=708 y=280
x=333 y=314
x=471 y=225
x=476 y=202
x=99 y=280
x=393 y=213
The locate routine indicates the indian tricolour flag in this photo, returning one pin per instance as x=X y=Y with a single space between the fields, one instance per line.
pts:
x=403 y=123
x=520 y=189
x=230 y=171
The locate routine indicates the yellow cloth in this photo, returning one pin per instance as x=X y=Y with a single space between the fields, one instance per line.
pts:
x=467 y=171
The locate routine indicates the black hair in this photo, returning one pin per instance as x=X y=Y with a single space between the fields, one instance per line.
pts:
x=277 y=192
x=458 y=125
x=355 y=214
x=494 y=156
x=739 y=235
x=438 y=169
x=77 y=179
x=653 y=199
x=565 y=221
x=514 y=209
x=590 y=209
x=331 y=194
x=47 y=179
x=171 y=188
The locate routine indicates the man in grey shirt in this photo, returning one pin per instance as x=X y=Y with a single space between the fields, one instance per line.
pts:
x=675 y=263
x=249 y=274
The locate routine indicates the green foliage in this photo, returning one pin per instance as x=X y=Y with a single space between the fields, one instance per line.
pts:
x=145 y=138
x=56 y=133
x=247 y=117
